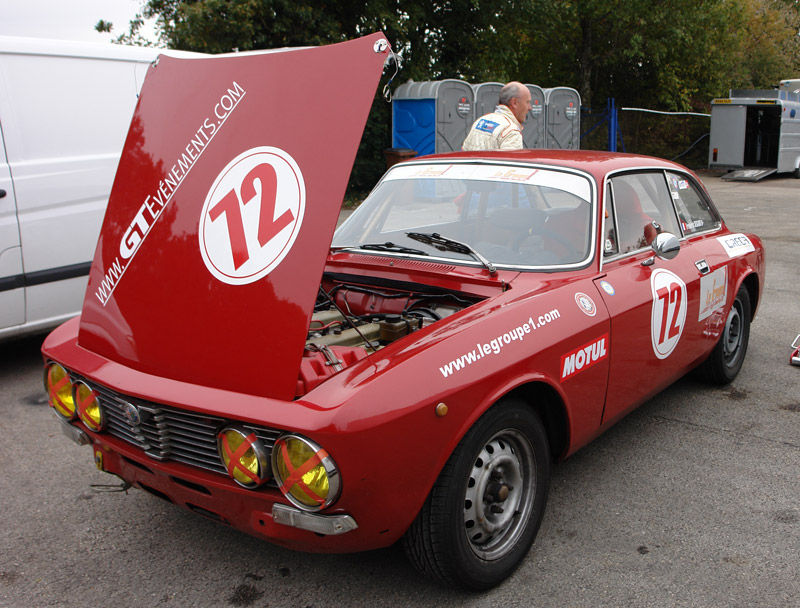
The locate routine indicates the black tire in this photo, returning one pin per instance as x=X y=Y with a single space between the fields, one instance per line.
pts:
x=502 y=463
x=725 y=361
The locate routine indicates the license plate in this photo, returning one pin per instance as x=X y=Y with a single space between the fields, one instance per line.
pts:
x=76 y=434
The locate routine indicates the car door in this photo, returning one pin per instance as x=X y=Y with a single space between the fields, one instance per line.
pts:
x=12 y=290
x=653 y=302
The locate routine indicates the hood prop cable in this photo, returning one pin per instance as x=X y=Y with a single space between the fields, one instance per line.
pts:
x=347 y=318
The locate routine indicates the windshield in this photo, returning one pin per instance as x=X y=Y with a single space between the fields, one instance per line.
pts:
x=511 y=215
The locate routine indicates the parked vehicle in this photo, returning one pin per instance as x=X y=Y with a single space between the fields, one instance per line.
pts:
x=479 y=317
x=755 y=133
x=65 y=108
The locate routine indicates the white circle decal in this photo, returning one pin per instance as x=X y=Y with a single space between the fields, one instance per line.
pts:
x=585 y=303
x=669 y=311
x=252 y=215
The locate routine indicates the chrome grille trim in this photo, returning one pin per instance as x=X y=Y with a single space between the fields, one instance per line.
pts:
x=169 y=433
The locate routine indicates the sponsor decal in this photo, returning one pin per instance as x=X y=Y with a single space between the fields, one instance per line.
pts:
x=487 y=126
x=736 y=244
x=713 y=292
x=584 y=357
x=586 y=304
x=668 y=316
x=692 y=225
x=154 y=203
x=608 y=288
x=437 y=171
x=494 y=346
x=252 y=215
x=515 y=175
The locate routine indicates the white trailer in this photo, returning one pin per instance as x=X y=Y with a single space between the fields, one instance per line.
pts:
x=755 y=133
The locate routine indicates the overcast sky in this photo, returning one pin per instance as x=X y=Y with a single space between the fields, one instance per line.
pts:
x=65 y=19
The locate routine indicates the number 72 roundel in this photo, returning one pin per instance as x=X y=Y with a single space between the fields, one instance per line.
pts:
x=252 y=215
x=669 y=311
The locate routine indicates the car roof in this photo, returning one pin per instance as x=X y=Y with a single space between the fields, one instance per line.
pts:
x=596 y=162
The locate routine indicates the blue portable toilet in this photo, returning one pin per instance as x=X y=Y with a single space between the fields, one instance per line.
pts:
x=433 y=116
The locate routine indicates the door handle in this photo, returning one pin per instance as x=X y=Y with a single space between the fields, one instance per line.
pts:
x=702 y=266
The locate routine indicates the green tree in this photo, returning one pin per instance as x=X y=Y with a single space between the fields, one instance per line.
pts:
x=674 y=55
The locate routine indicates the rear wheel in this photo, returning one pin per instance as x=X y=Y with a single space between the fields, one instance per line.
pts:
x=484 y=511
x=725 y=361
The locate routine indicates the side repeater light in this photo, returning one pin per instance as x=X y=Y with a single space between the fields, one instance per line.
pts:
x=59 y=391
x=305 y=472
x=244 y=456
x=88 y=406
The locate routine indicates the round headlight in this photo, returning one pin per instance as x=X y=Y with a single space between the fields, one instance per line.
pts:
x=244 y=456
x=59 y=391
x=88 y=406
x=305 y=473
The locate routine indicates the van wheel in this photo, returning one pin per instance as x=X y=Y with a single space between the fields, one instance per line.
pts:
x=484 y=510
x=797 y=173
x=725 y=361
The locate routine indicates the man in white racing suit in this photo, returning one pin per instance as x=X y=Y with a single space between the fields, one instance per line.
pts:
x=501 y=129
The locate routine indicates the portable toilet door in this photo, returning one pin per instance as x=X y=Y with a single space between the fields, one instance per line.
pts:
x=533 y=129
x=413 y=119
x=432 y=117
x=455 y=113
x=487 y=96
x=563 y=118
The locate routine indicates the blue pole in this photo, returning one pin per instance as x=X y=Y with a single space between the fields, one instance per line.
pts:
x=612 y=126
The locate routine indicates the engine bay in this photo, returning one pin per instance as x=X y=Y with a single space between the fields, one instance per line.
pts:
x=352 y=320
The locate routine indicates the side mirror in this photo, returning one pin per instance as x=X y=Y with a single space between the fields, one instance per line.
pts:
x=666 y=246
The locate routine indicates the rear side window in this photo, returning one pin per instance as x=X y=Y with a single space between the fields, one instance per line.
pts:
x=693 y=210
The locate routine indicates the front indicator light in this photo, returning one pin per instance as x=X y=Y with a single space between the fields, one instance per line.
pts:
x=306 y=474
x=88 y=406
x=59 y=391
x=244 y=456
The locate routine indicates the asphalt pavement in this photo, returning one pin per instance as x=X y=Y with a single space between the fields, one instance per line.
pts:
x=692 y=500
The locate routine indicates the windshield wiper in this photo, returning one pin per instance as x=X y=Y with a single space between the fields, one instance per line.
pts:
x=388 y=246
x=442 y=243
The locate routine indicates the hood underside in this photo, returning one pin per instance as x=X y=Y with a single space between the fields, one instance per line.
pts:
x=222 y=212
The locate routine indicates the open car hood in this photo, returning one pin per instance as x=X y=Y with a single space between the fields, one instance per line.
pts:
x=222 y=212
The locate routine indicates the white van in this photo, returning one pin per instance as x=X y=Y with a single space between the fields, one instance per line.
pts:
x=65 y=108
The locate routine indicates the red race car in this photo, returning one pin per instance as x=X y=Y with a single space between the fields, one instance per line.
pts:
x=412 y=377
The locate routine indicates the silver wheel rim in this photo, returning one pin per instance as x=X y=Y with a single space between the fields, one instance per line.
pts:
x=499 y=496
x=732 y=338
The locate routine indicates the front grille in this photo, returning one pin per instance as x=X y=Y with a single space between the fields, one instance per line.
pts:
x=168 y=433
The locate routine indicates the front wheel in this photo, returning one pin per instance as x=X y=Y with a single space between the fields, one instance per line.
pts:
x=484 y=510
x=725 y=361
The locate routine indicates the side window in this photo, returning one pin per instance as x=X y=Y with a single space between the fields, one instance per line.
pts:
x=609 y=231
x=642 y=209
x=693 y=210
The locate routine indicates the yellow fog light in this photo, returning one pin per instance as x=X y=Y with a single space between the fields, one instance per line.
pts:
x=244 y=456
x=88 y=406
x=305 y=473
x=59 y=391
